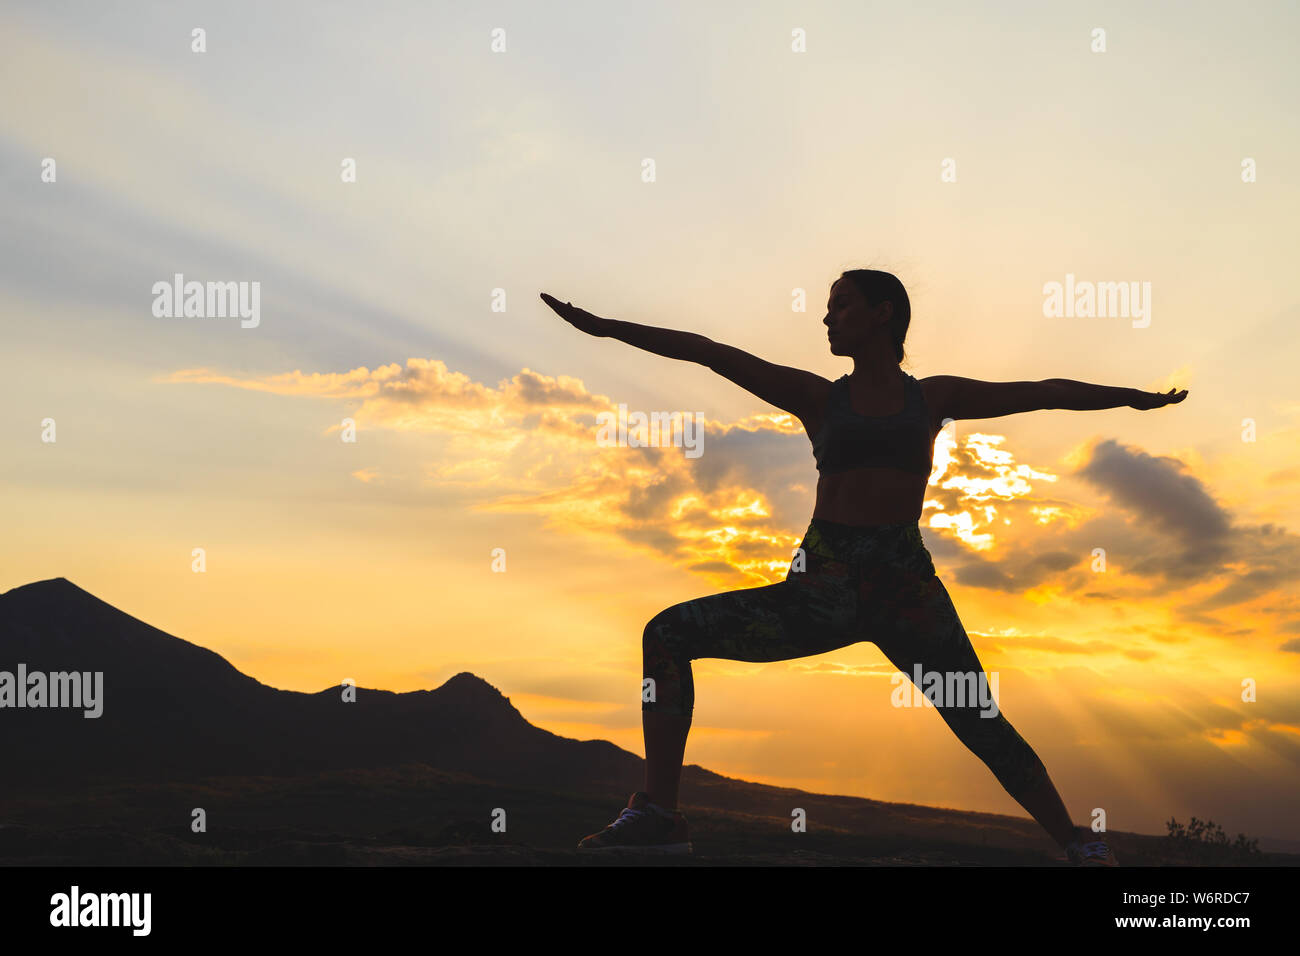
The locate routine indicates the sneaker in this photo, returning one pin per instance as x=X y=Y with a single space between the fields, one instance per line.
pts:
x=642 y=826
x=1085 y=852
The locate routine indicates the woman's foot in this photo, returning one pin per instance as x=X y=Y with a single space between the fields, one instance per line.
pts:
x=1086 y=849
x=642 y=826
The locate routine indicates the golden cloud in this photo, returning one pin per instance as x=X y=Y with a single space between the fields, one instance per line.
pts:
x=531 y=445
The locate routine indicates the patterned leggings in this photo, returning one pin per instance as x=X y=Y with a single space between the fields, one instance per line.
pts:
x=856 y=584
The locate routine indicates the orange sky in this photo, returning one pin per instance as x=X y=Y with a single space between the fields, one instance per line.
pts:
x=407 y=302
x=1126 y=679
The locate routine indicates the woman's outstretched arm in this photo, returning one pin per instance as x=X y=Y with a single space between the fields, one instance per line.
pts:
x=790 y=389
x=967 y=398
x=687 y=346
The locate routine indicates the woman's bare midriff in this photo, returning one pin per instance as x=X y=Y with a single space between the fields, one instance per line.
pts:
x=870 y=496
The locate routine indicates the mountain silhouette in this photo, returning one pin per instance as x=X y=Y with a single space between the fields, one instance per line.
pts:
x=406 y=779
x=175 y=711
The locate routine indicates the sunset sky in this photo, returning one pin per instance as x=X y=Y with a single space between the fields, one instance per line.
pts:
x=486 y=177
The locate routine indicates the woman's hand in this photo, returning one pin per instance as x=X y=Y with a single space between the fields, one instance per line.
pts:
x=580 y=319
x=1143 y=401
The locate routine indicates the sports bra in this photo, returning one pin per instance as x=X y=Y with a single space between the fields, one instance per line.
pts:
x=849 y=440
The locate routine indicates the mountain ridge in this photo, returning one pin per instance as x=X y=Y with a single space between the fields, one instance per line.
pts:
x=179 y=718
x=40 y=594
x=176 y=710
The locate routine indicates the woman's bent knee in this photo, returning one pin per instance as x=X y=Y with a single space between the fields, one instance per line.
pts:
x=667 y=686
x=665 y=630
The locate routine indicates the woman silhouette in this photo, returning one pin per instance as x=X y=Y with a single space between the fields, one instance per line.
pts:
x=866 y=574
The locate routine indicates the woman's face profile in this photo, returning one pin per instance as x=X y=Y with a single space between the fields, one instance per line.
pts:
x=849 y=318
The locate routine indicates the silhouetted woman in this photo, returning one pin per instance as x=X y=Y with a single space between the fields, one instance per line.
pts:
x=866 y=575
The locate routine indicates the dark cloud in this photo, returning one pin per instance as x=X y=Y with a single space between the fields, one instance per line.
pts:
x=1055 y=560
x=942 y=547
x=1244 y=587
x=647 y=501
x=1014 y=574
x=755 y=459
x=1165 y=529
x=658 y=539
x=979 y=573
x=1160 y=489
x=535 y=389
x=712 y=567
